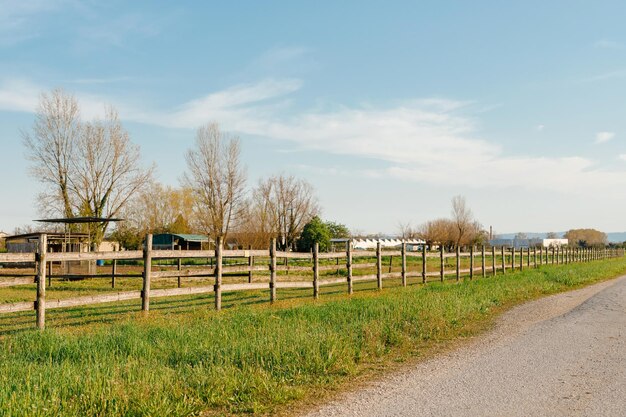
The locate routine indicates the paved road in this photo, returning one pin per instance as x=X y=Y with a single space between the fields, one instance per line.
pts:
x=564 y=355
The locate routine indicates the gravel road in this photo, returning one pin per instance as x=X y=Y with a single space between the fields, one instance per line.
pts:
x=564 y=355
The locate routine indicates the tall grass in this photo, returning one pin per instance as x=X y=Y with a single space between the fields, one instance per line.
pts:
x=253 y=359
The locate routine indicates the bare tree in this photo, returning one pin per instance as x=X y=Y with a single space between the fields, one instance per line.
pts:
x=462 y=218
x=407 y=231
x=586 y=237
x=281 y=206
x=49 y=146
x=217 y=178
x=260 y=219
x=295 y=205
x=91 y=168
x=438 y=231
x=105 y=171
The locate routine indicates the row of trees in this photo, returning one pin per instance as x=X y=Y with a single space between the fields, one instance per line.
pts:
x=461 y=229
x=91 y=168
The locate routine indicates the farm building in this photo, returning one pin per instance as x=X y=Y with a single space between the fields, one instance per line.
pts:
x=57 y=242
x=175 y=241
x=411 y=244
x=528 y=243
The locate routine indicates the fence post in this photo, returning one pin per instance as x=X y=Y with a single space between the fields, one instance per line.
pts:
x=250 y=264
x=540 y=255
x=218 y=274
x=403 y=264
x=272 y=270
x=503 y=261
x=535 y=256
x=513 y=259
x=552 y=255
x=349 y=265
x=569 y=255
x=316 y=271
x=379 y=266
x=521 y=259
x=113 y=272
x=493 y=261
x=40 y=305
x=424 y=263
x=471 y=262
x=570 y=252
x=147 y=271
x=458 y=262
x=441 y=263
x=482 y=252
x=528 y=257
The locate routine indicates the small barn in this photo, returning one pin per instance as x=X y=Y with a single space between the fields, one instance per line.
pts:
x=176 y=241
x=57 y=242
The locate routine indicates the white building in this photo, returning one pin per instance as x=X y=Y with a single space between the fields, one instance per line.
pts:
x=365 y=244
x=528 y=243
x=548 y=243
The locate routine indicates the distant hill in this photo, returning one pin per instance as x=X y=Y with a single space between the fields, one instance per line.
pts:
x=616 y=237
x=530 y=235
x=613 y=237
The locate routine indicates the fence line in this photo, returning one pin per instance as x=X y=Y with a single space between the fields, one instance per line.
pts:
x=42 y=258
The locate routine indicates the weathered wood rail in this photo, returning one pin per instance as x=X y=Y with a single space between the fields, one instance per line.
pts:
x=501 y=261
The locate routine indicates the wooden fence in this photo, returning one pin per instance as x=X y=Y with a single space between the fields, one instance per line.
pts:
x=502 y=260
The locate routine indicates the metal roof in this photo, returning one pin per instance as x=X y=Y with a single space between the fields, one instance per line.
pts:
x=50 y=235
x=73 y=220
x=187 y=237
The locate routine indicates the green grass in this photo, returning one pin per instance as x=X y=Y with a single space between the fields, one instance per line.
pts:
x=254 y=358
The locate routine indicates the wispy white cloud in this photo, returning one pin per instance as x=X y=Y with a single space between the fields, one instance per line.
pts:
x=608 y=44
x=603 y=137
x=609 y=75
x=540 y=128
x=278 y=56
x=17 y=16
x=433 y=141
x=19 y=95
x=102 y=80
x=622 y=156
x=117 y=30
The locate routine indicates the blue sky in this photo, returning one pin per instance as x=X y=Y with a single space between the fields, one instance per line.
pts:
x=388 y=108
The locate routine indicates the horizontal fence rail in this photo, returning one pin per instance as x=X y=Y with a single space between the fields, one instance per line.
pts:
x=224 y=263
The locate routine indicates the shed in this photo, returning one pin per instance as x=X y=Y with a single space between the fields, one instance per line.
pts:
x=175 y=241
x=57 y=242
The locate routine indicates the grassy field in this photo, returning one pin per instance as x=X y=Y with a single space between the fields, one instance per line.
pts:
x=185 y=359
